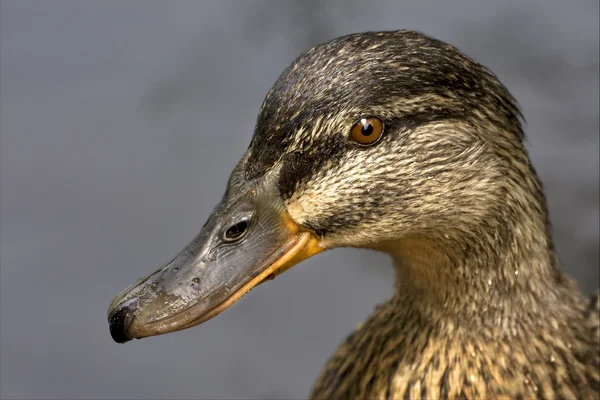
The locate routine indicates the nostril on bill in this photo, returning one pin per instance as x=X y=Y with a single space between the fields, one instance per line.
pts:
x=236 y=231
x=119 y=321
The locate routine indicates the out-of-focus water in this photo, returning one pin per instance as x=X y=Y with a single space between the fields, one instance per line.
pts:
x=120 y=123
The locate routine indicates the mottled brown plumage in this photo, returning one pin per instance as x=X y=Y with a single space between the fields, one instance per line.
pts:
x=481 y=308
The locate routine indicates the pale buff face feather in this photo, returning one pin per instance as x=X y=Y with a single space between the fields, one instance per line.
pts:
x=404 y=191
x=446 y=159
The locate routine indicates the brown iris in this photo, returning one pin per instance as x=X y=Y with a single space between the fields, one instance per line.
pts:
x=367 y=131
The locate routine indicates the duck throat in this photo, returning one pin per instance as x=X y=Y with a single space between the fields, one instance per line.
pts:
x=501 y=273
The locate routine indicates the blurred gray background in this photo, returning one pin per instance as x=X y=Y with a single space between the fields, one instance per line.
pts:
x=120 y=123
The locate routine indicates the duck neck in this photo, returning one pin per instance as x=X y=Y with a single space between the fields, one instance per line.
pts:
x=503 y=273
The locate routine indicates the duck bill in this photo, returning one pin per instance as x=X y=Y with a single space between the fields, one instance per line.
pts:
x=212 y=273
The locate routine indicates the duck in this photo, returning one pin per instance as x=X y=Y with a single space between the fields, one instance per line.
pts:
x=396 y=142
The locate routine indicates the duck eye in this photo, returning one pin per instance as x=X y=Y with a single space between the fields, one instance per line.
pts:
x=236 y=231
x=367 y=131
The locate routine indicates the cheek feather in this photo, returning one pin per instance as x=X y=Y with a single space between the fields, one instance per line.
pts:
x=357 y=194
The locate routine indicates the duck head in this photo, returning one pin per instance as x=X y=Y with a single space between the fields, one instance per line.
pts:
x=368 y=139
